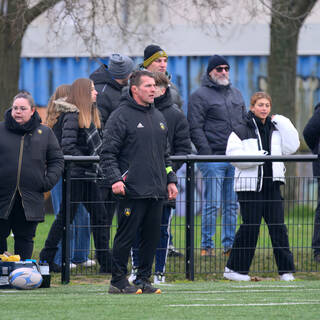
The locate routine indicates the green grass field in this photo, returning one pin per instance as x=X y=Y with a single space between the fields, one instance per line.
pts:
x=199 y=300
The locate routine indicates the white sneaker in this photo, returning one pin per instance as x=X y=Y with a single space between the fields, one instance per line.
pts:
x=159 y=278
x=287 y=277
x=133 y=275
x=72 y=265
x=89 y=263
x=235 y=276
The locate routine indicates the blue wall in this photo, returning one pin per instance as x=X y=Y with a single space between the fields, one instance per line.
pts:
x=41 y=76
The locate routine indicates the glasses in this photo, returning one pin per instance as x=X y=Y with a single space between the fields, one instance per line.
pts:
x=220 y=69
x=22 y=108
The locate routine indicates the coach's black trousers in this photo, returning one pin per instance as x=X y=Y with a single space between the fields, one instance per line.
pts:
x=134 y=214
x=254 y=206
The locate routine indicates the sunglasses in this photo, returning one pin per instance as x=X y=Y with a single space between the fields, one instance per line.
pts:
x=220 y=69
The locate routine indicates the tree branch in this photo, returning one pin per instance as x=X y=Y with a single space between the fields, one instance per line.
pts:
x=38 y=9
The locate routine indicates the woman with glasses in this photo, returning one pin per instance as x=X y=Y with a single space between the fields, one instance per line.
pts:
x=258 y=187
x=31 y=163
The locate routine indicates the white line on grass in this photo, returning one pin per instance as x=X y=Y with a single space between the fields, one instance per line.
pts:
x=245 y=304
x=240 y=291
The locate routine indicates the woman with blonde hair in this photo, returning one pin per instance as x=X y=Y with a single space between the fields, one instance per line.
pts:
x=80 y=235
x=77 y=129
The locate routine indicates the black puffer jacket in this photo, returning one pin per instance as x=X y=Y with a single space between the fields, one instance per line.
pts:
x=311 y=134
x=135 y=145
x=179 y=136
x=213 y=112
x=72 y=139
x=109 y=92
x=31 y=163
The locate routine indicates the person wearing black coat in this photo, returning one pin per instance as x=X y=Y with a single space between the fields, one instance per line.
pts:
x=77 y=129
x=311 y=135
x=31 y=163
x=180 y=144
x=135 y=162
x=109 y=82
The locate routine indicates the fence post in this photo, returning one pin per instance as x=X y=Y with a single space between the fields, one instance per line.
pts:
x=190 y=187
x=66 y=199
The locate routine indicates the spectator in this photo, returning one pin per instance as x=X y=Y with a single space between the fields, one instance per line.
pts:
x=213 y=111
x=311 y=135
x=258 y=187
x=80 y=237
x=77 y=130
x=31 y=163
x=156 y=60
x=135 y=161
x=109 y=82
x=180 y=144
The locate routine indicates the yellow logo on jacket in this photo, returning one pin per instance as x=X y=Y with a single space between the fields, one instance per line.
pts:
x=39 y=131
x=162 y=126
x=127 y=212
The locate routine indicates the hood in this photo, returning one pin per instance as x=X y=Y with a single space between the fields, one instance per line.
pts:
x=28 y=127
x=164 y=101
x=102 y=76
x=126 y=100
x=207 y=81
x=63 y=107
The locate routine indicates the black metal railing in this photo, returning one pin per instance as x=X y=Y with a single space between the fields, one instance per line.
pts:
x=187 y=225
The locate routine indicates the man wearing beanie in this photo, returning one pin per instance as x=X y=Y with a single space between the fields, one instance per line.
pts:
x=155 y=60
x=109 y=82
x=213 y=111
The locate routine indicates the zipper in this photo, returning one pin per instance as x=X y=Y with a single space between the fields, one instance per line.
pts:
x=18 y=175
x=153 y=153
x=260 y=169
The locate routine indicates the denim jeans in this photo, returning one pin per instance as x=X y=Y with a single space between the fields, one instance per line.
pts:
x=80 y=230
x=218 y=180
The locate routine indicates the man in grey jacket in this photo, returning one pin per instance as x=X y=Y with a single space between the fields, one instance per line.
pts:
x=213 y=110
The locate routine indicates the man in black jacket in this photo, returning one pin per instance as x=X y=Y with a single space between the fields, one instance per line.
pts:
x=135 y=161
x=109 y=82
x=311 y=135
x=213 y=110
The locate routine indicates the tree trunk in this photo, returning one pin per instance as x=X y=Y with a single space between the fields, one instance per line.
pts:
x=9 y=70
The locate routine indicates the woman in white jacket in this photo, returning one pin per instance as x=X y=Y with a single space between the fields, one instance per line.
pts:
x=258 y=187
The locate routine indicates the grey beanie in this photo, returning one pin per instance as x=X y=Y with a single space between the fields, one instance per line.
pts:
x=120 y=66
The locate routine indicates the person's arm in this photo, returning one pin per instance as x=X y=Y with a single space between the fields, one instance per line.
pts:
x=54 y=162
x=311 y=132
x=289 y=134
x=196 y=119
x=235 y=147
x=113 y=138
x=69 y=137
x=181 y=139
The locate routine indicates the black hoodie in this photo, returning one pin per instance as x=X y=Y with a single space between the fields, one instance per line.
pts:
x=109 y=92
x=136 y=150
x=179 y=136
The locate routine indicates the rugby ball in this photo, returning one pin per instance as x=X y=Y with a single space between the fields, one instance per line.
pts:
x=25 y=278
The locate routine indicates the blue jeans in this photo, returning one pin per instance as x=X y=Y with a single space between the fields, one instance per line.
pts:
x=80 y=230
x=218 y=179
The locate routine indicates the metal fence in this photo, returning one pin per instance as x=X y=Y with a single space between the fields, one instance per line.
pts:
x=300 y=202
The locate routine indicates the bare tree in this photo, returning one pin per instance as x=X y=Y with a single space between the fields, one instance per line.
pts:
x=287 y=19
x=15 y=17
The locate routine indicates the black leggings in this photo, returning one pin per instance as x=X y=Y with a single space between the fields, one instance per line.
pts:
x=254 y=206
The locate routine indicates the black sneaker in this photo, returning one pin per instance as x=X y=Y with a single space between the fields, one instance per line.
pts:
x=129 y=289
x=173 y=252
x=146 y=286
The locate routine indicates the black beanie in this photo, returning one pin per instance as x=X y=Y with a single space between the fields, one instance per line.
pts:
x=149 y=51
x=215 y=61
